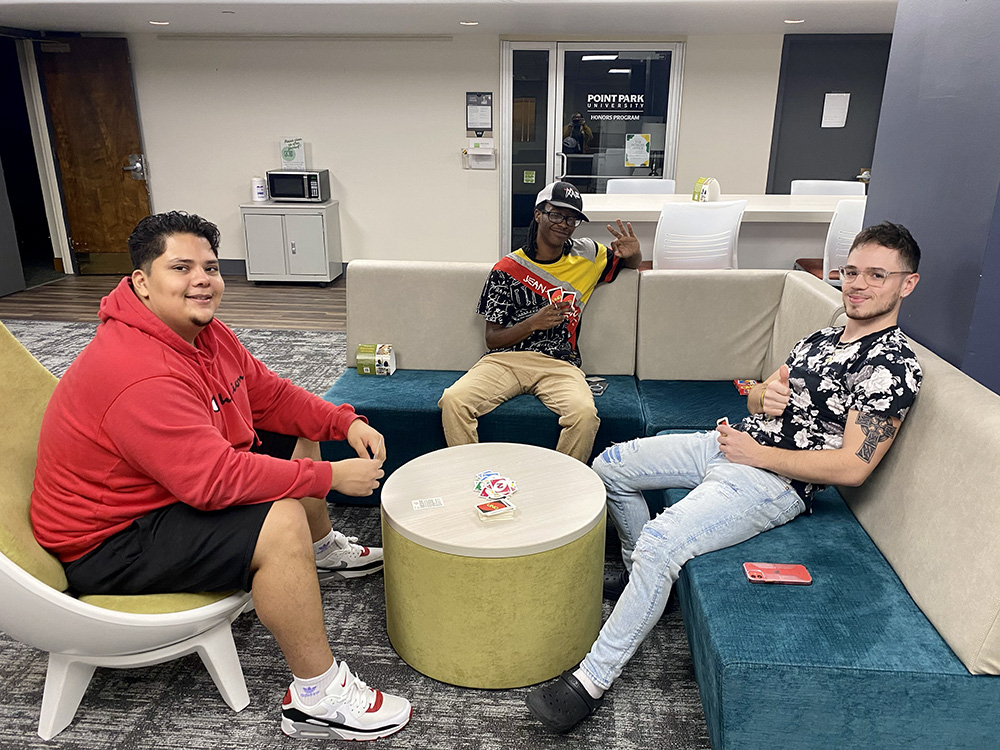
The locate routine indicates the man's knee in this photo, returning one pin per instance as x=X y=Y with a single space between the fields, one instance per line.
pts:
x=285 y=532
x=581 y=414
x=609 y=462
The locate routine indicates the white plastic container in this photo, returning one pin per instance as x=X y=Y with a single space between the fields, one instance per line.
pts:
x=259 y=188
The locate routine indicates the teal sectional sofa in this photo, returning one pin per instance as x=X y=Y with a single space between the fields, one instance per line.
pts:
x=896 y=642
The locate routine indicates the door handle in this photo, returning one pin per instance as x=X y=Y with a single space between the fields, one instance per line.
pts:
x=136 y=166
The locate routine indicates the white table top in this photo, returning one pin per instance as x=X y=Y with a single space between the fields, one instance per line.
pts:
x=812 y=209
x=558 y=500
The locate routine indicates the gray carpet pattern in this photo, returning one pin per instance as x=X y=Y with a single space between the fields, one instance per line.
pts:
x=655 y=704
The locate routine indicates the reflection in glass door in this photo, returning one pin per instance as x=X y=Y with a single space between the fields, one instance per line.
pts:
x=584 y=112
x=616 y=114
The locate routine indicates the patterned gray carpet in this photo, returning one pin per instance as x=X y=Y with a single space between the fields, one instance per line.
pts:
x=655 y=704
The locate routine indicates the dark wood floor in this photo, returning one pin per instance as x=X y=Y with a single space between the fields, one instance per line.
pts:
x=244 y=305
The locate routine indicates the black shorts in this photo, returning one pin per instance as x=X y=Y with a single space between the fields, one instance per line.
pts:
x=179 y=548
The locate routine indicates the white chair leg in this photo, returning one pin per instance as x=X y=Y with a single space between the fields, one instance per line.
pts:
x=218 y=651
x=66 y=681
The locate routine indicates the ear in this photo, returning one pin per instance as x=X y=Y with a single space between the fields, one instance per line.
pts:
x=140 y=283
x=909 y=284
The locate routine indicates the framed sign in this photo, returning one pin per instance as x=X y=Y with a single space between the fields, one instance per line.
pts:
x=479 y=111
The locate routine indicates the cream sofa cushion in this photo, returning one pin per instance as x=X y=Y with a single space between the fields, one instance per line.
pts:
x=427 y=311
x=705 y=325
x=931 y=508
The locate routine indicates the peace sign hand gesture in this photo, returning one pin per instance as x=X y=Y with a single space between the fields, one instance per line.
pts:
x=625 y=244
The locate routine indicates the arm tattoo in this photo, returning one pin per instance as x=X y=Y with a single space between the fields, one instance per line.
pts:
x=877 y=429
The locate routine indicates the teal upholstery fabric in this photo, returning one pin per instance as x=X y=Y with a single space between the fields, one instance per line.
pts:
x=689 y=404
x=847 y=662
x=403 y=407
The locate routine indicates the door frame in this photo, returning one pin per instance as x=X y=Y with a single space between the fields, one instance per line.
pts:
x=44 y=154
x=553 y=117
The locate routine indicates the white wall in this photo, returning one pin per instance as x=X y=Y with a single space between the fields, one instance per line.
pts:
x=727 y=111
x=387 y=118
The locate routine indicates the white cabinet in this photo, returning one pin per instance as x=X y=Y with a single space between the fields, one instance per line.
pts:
x=291 y=242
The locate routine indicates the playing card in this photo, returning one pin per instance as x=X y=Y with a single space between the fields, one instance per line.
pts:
x=722 y=422
x=495 y=507
x=555 y=294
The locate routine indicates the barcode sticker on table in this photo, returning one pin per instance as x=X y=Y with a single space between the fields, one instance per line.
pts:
x=428 y=502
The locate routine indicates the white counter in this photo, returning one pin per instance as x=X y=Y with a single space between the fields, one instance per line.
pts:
x=776 y=229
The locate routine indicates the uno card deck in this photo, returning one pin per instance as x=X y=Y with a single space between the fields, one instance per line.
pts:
x=495 y=510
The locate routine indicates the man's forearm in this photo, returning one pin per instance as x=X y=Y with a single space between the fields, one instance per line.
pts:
x=834 y=466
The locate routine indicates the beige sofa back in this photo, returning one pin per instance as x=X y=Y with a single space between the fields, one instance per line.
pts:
x=726 y=324
x=427 y=311
x=931 y=508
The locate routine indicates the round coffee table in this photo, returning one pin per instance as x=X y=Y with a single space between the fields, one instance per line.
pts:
x=499 y=603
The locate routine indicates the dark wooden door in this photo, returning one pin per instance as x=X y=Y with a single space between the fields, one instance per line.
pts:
x=87 y=84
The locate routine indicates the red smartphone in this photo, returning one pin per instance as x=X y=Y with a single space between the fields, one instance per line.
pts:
x=795 y=575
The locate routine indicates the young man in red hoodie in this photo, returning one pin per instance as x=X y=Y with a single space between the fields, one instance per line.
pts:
x=170 y=459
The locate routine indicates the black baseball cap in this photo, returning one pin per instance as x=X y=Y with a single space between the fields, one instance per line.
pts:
x=563 y=195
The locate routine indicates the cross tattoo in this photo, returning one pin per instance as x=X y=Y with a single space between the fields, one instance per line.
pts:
x=877 y=429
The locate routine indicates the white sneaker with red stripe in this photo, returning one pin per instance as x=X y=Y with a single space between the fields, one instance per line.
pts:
x=350 y=710
x=345 y=558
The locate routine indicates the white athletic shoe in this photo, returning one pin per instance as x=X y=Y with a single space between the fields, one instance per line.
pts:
x=345 y=558
x=350 y=711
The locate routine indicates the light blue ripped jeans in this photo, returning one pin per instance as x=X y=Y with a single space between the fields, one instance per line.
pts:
x=728 y=504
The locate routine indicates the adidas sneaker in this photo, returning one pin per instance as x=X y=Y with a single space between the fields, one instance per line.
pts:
x=350 y=710
x=345 y=558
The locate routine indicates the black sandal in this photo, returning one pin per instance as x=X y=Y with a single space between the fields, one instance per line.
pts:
x=562 y=704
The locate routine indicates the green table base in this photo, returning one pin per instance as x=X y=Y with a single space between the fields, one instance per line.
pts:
x=493 y=622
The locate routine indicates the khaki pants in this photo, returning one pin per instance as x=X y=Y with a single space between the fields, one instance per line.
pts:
x=499 y=377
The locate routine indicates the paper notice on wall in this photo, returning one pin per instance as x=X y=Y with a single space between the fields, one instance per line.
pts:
x=637 y=150
x=835 y=110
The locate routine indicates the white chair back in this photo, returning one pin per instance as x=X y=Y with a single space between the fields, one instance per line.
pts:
x=647 y=187
x=848 y=219
x=827 y=187
x=698 y=235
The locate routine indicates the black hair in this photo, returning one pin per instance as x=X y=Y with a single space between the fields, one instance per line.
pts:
x=149 y=238
x=895 y=237
x=531 y=245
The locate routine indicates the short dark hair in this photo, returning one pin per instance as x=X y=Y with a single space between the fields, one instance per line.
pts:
x=895 y=237
x=149 y=238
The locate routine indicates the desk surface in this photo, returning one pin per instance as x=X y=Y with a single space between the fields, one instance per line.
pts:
x=810 y=209
x=558 y=500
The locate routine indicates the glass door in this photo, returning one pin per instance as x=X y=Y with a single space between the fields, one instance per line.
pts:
x=584 y=112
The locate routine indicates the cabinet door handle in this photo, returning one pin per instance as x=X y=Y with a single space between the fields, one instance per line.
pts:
x=292 y=243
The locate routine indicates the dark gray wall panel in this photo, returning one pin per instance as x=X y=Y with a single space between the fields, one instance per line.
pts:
x=937 y=165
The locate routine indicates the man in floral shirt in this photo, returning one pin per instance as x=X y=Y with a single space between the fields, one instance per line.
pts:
x=826 y=416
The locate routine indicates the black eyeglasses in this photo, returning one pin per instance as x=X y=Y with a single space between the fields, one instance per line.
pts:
x=570 y=221
x=873 y=276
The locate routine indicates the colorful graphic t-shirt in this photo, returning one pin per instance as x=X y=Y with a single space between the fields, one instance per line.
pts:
x=876 y=375
x=518 y=287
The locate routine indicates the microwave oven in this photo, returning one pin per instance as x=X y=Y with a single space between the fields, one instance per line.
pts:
x=311 y=185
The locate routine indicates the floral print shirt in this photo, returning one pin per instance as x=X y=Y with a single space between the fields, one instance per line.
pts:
x=876 y=375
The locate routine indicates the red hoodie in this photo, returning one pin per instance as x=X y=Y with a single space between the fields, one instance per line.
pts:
x=143 y=419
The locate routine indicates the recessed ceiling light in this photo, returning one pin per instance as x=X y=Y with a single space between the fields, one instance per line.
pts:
x=229 y=12
x=619 y=70
x=599 y=57
x=160 y=23
x=795 y=20
x=469 y=23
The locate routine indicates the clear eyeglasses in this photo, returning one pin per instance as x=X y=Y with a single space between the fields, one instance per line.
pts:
x=873 y=276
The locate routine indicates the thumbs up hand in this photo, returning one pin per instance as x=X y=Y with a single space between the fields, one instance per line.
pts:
x=776 y=394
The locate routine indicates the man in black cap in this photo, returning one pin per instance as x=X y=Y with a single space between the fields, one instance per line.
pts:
x=533 y=300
